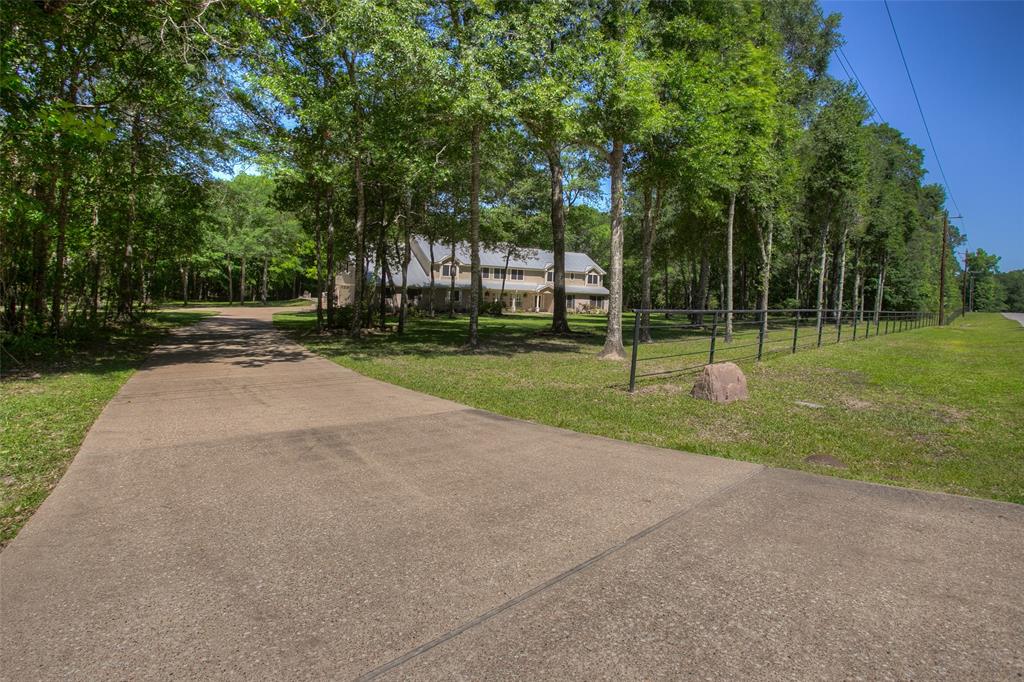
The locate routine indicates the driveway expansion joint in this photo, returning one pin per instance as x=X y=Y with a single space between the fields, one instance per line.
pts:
x=554 y=581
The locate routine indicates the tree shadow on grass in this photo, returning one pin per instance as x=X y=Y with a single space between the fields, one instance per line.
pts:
x=90 y=350
x=506 y=336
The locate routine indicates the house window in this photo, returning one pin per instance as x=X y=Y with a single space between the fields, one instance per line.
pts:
x=455 y=296
x=446 y=270
x=485 y=273
x=570 y=302
x=593 y=279
x=551 y=275
x=499 y=273
x=515 y=274
x=595 y=301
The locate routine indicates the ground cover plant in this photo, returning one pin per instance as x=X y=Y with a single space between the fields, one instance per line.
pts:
x=51 y=392
x=933 y=408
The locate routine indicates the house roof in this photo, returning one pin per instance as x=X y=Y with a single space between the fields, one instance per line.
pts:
x=417 y=276
x=525 y=258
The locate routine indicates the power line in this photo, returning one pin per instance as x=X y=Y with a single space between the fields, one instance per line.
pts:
x=875 y=112
x=920 y=109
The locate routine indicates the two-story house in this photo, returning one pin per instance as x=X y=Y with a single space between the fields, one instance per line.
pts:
x=528 y=279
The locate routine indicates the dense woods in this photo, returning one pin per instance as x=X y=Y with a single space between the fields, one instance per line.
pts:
x=697 y=150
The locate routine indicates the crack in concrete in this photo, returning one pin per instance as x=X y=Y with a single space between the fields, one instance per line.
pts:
x=548 y=584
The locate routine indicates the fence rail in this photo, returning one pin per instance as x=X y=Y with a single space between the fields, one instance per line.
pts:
x=664 y=338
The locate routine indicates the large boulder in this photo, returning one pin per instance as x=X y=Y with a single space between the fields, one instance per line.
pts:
x=721 y=383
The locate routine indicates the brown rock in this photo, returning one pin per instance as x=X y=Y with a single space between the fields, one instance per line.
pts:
x=721 y=383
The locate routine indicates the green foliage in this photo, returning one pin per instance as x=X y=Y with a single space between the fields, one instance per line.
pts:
x=1011 y=289
x=359 y=117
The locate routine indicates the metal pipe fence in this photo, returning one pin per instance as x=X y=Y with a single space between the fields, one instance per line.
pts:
x=681 y=341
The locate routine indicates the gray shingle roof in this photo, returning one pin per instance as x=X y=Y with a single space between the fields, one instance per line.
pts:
x=417 y=277
x=527 y=258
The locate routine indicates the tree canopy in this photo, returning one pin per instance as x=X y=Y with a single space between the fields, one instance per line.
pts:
x=697 y=150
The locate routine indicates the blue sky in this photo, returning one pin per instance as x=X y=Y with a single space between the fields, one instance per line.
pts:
x=967 y=60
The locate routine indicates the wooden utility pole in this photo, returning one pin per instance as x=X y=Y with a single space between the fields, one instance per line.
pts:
x=942 y=269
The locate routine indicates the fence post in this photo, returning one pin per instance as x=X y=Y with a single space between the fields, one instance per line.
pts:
x=636 y=345
x=714 y=333
x=821 y=325
x=855 y=325
x=796 y=329
x=760 y=333
x=839 y=326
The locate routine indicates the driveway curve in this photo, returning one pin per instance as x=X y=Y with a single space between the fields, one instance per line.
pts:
x=246 y=510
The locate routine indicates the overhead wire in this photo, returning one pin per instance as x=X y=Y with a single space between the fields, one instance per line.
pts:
x=920 y=110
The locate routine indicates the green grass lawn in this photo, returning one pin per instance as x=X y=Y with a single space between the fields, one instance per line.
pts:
x=932 y=408
x=50 y=394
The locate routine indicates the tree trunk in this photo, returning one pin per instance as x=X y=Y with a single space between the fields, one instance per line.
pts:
x=613 y=349
x=799 y=261
x=406 y=257
x=231 y=281
x=263 y=282
x=728 y=269
x=41 y=251
x=504 y=277
x=559 y=318
x=863 y=295
x=451 y=293
x=821 y=276
x=359 y=270
x=382 y=269
x=665 y=286
x=430 y=242
x=318 y=252
x=703 y=284
x=765 y=242
x=332 y=288
x=646 y=246
x=474 y=238
x=880 y=292
x=94 y=260
x=241 y=283
x=124 y=305
x=57 y=304
x=858 y=303
x=184 y=284
x=841 y=277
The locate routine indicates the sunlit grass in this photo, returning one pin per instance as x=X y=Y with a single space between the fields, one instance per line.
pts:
x=934 y=408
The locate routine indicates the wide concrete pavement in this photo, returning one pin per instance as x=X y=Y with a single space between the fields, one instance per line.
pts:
x=243 y=509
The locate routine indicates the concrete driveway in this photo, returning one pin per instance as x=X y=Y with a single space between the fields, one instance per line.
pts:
x=1017 y=317
x=243 y=509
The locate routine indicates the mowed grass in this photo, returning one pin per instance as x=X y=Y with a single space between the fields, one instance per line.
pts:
x=931 y=408
x=50 y=394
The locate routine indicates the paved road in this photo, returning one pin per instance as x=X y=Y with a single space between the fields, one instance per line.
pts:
x=1019 y=317
x=243 y=509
